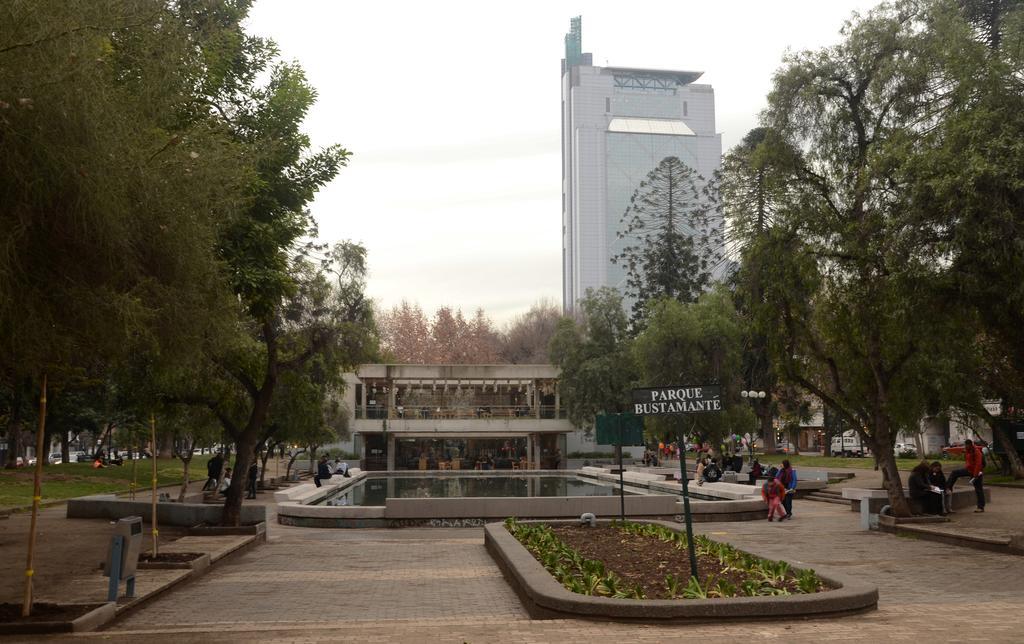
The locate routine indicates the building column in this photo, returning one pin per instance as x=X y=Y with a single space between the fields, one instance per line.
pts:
x=391 y=451
x=558 y=401
x=536 y=400
x=364 y=400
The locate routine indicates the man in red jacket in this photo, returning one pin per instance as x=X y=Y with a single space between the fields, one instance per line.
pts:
x=974 y=466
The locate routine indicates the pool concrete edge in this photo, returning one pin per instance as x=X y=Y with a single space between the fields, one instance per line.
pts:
x=545 y=598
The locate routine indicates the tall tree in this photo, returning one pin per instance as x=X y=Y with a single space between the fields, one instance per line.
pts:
x=752 y=185
x=405 y=335
x=595 y=358
x=671 y=241
x=967 y=182
x=527 y=338
x=854 y=279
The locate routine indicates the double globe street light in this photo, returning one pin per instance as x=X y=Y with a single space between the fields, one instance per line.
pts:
x=753 y=396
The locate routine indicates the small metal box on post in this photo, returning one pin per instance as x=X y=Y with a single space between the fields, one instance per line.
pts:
x=123 y=556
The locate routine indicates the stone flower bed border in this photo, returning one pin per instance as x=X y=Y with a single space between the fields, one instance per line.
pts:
x=545 y=598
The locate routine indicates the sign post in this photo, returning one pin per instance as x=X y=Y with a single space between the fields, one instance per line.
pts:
x=620 y=429
x=677 y=401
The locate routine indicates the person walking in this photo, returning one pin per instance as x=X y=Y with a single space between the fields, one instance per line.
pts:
x=937 y=478
x=974 y=466
x=213 y=469
x=787 y=476
x=251 y=477
x=773 y=492
x=698 y=474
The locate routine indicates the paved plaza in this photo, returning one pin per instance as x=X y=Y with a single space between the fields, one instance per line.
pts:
x=421 y=585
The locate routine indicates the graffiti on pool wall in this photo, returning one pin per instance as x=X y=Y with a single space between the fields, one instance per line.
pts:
x=437 y=523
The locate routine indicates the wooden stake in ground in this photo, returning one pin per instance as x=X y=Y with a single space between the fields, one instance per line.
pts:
x=152 y=455
x=37 y=496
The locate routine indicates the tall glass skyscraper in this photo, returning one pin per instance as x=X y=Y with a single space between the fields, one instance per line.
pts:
x=618 y=124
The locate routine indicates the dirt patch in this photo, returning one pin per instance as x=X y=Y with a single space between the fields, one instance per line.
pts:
x=647 y=561
x=169 y=557
x=43 y=612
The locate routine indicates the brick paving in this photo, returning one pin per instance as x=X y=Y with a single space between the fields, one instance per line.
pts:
x=417 y=585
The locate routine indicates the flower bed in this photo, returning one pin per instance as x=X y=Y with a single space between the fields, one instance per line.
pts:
x=649 y=561
x=614 y=588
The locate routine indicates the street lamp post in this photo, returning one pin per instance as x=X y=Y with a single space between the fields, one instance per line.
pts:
x=753 y=396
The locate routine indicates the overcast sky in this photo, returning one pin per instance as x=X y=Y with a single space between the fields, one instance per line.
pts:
x=451 y=111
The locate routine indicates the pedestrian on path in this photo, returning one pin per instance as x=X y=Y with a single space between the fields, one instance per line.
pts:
x=773 y=492
x=787 y=476
x=213 y=469
x=698 y=474
x=974 y=466
x=252 y=475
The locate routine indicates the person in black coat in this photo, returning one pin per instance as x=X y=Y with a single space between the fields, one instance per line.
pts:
x=213 y=469
x=251 y=477
x=920 y=490
x=323 y=471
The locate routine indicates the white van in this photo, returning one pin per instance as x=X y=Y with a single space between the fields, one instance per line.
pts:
x=849 y=444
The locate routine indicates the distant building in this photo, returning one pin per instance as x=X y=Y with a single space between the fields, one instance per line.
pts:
x=618 y=123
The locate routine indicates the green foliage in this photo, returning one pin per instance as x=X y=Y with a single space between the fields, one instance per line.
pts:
x=671 y=242
x=595 y=359
x=761 y=576
x=695 y=343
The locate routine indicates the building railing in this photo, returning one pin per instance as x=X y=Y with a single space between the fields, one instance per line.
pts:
x=482 y=412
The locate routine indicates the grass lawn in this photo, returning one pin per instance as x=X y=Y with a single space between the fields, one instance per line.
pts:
x=835 y=462
x=68 y=480
x=1004 y=480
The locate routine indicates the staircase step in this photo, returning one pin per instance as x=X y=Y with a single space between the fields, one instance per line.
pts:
x=824 y=498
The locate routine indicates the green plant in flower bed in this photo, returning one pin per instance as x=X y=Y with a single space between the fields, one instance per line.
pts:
x=591 y=577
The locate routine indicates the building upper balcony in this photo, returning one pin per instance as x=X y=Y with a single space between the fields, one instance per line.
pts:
x=457 y=398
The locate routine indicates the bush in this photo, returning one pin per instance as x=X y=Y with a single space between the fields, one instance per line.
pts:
x=592 y=455
x=345 y=456
x=906 y=453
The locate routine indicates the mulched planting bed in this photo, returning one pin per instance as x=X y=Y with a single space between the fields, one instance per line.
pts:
x=169 y=557
x=647 y=561
x=44 y=612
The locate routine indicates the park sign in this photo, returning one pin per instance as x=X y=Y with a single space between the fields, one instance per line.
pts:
x=689 y=399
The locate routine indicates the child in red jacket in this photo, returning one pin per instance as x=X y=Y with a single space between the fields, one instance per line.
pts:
x=772 y=492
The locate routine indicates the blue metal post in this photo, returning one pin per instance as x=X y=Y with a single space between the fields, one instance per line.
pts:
x=116 y=549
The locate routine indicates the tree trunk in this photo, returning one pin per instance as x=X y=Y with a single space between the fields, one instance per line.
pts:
x=65 y=447
x=291 y=461
x=244 y=447
x=767 y=431
x=1012 y=457
x=14 y=430
x=184 y=481
x=886 y=460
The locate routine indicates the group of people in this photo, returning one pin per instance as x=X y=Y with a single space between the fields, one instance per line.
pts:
x=929 y=487
x=778 y=490
x=325 y=470
x=218 y=477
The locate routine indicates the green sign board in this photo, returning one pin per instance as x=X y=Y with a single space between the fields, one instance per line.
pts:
x=608 y=426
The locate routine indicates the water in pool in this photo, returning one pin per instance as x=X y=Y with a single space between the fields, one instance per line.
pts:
x=373 y=491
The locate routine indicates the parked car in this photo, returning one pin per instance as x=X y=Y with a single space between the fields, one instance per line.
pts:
x=79 y=457
x=56 y=458
x=849 y=445
x=784 y=447
x=906 y=448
